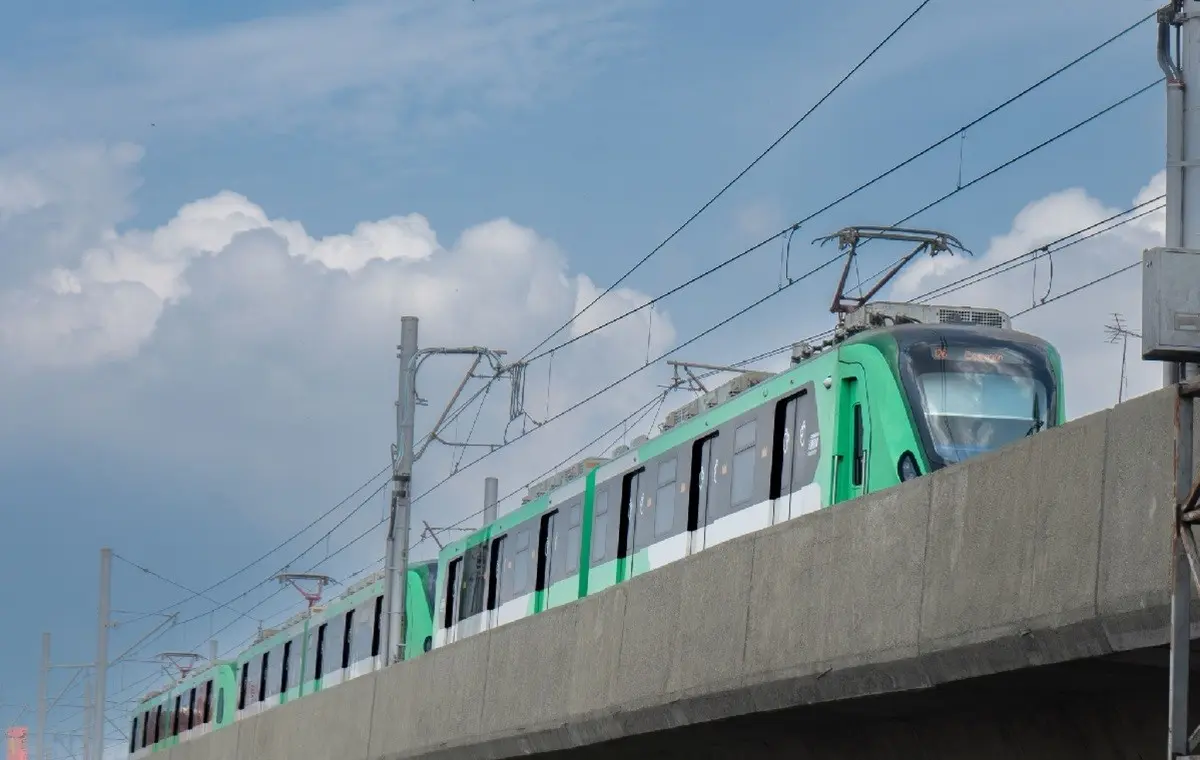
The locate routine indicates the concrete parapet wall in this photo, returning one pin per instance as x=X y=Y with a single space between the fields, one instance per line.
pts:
x=1050 y=550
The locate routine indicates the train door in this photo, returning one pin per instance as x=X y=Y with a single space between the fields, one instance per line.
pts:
x=495 y=583
x=853 y=436
x=631 y=489
x=798 y=444
x=702 y=469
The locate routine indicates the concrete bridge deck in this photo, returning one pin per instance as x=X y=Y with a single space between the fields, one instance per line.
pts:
x=1015 y=605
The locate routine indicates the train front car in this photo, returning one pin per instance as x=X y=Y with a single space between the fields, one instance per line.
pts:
x=972 y=390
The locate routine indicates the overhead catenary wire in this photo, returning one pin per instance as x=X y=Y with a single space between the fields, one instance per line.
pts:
x=642 y=410
x=997 y=269
x=276 y=548
x=865 y=185
x=732 y=182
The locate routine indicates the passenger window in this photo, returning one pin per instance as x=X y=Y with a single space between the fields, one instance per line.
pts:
x=521 y=564
x=292 y=680
x=207 y=712
x=743 y=464
x=600 y=525
x=283 y=677
x=451 y=615
x=664 y=508
x=320 y=659
x=630 y=489
x=133 y=737
x=546 y=546
x=244 y=686
x=376 y=641
x=347 y=638
x=263 y=676
x=496 y=573
x=573 y=539
x=364 y=619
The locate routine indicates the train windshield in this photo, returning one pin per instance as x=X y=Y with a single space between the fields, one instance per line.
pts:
x=972 y=394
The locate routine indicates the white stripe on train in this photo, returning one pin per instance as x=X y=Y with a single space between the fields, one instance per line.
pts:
x=762 y=515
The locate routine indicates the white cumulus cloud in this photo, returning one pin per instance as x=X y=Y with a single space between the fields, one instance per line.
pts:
x=240 y=348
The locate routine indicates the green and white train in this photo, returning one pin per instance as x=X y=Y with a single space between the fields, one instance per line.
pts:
x=317 y=649
x=904 y=391
x=881 y=406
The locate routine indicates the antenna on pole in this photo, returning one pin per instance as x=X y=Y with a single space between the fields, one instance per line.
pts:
x=1117 y=331
x=312 y=597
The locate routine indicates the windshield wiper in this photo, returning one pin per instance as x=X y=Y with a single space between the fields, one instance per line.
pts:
x=1037 y=417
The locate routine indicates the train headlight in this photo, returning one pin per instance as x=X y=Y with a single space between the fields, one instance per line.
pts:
x=908 y=468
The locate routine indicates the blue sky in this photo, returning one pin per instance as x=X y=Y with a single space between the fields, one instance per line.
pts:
x=213 y=216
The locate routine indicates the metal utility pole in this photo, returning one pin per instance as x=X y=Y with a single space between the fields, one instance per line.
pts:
x=491 y=499
x=102 y=648
x=405 y=453
x=395 y=597
x=43 y=686
x=1170 y=322
x=212 y=651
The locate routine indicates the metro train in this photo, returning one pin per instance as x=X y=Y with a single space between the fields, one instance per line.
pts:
x=900 y=391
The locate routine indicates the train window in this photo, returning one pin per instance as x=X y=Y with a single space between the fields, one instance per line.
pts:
x=220 y=705
x=472 y=586
x=205 y=708
x=145 y=727
x=630 y=488
x=364 y=620
x=521 y=564
x=376 y=633
x=287 y=667
x=575 y=526
x=264 y=678
x=173 y=719
x=294 y=663
x=743 y=464
x=546 y=547
x=664 y=507
x=859 y=452
x=243 y=686
x=599 y=525
x=159 y=725
x=319 y=660
x=334 y=644
x=133 y=736
x=192 y=722
x=495 y=573
x=347 y=638
x=451 y=615
x=312 y=669
x=702 y=461
x=275 y=672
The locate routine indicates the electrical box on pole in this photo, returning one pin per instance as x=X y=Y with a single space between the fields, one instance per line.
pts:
x=1171 y=334
x=1171 y=304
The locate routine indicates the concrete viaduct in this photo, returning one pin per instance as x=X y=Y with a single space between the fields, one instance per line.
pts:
x=1015 y=606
